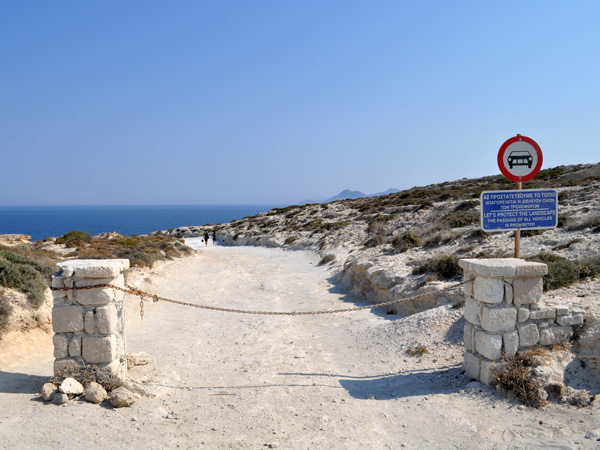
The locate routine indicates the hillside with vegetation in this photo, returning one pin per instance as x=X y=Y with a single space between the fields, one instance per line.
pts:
x=386 y=247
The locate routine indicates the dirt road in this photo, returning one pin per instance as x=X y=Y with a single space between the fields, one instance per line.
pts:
x=226 y=380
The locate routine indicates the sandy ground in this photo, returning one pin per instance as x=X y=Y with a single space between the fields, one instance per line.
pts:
x=233 y=381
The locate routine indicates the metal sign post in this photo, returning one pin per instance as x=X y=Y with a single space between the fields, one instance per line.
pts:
x=519 y=159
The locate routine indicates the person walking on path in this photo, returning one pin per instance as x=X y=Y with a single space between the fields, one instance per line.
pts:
x=214 y=236
x=206 y=237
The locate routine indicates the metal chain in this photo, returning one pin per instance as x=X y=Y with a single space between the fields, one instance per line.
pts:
x=139 y=293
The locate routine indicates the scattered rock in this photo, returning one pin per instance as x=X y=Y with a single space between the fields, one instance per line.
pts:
x=122 y=397
x=95 y=393
x=60 y=398
x=71 y=386
x=137 y=359
x=273 y=444
x=48 y=391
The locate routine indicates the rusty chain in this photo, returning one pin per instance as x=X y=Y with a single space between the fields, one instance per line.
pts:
x=139 y=293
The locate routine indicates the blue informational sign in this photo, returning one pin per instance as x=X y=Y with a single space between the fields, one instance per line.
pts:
x=530 y=209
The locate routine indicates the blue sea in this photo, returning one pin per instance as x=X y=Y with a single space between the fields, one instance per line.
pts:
x=53 y=221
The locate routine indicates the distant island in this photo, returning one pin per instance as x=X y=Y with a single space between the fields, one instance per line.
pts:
x=347 y=194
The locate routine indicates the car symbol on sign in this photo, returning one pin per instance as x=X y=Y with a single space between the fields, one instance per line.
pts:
x=520 y=158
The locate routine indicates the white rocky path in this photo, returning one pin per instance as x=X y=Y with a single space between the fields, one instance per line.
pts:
x=237 y=381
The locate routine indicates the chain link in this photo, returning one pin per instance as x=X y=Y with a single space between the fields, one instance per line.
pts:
x=139 y=293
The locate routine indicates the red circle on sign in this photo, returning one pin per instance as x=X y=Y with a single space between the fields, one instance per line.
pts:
x=507 y=171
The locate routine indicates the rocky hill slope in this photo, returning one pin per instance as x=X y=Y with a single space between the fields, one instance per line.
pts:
x=407 y=243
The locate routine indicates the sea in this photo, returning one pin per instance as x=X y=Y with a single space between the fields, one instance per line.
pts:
x=54 y=221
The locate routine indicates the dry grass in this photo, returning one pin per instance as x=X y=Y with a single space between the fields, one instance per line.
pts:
x=88 y=374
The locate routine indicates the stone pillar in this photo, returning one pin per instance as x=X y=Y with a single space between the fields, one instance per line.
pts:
x=89 y=324
x=505 y=313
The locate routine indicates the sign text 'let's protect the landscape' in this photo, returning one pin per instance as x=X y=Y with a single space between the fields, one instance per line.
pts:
x=522 y=209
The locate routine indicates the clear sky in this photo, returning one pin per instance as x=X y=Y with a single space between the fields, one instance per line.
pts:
x=208 y=102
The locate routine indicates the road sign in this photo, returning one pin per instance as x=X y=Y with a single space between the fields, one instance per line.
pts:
x=520 y=158
x=529 y=209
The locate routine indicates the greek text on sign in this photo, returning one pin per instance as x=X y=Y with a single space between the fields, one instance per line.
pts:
x=530 y=209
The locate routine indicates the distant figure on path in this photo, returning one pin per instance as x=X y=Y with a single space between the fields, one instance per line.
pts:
x=214 y=237
x=206 y=237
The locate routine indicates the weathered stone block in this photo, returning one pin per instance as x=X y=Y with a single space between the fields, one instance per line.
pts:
x=498 y=319
x=117 y=367
x=528 y=335
x=61 y=345
x=547 y=337
x=67 y=319
x=562 y=310
x=488 y=345
x=522 y=314
x=90 y=323
x=469 y=277
x=488 y=290
x=90 y=268
x=106 y=319
x=99 y=296
x=527 y=290
x=508 y=293
x=537 y=313
x=570 y=320
x=58 y=282
x=472 y=365
x=75 y=346
x=472 y=311
x=96 y=349
x=469 y=332
x=504 y=267
x=488 y=371
x=511 y=343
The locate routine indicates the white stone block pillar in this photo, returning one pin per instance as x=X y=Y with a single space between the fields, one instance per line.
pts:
x=502 y=293
x=89 y=324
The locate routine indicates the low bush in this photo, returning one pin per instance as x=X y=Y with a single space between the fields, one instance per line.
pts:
x=26 y=276
x=6 y=310
x=530 y=233
x=406 y=241
x=445 y=266
x=375 y=241
x=417 y=350
x=563 y=272
x=516 y=376
x=290 y=240
x=74 y=239
x=326 y=260
x=461 y=219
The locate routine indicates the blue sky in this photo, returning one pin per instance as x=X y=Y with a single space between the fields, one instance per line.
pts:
x=205 y=102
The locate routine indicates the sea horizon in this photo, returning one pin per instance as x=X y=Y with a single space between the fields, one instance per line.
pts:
x=44 y=221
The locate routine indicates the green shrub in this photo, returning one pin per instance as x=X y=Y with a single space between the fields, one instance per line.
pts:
x=461 y=219
x=444 y=266
x=333 y=225
x=45 y=270
x=378 y=220
x=24 y=278
x=6 y=310
x=564 y=221
x=530 y=233
x=74 y=239
x=290 y=240
x=563 y=272
x=327 y=259
x=375 y=241
x=406 y=241
x=417 y=350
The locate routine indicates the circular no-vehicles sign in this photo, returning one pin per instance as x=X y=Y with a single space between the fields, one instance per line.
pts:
x=520 y=158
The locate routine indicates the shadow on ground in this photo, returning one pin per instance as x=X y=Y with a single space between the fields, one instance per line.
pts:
x=406 y=384
x=20 y=383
